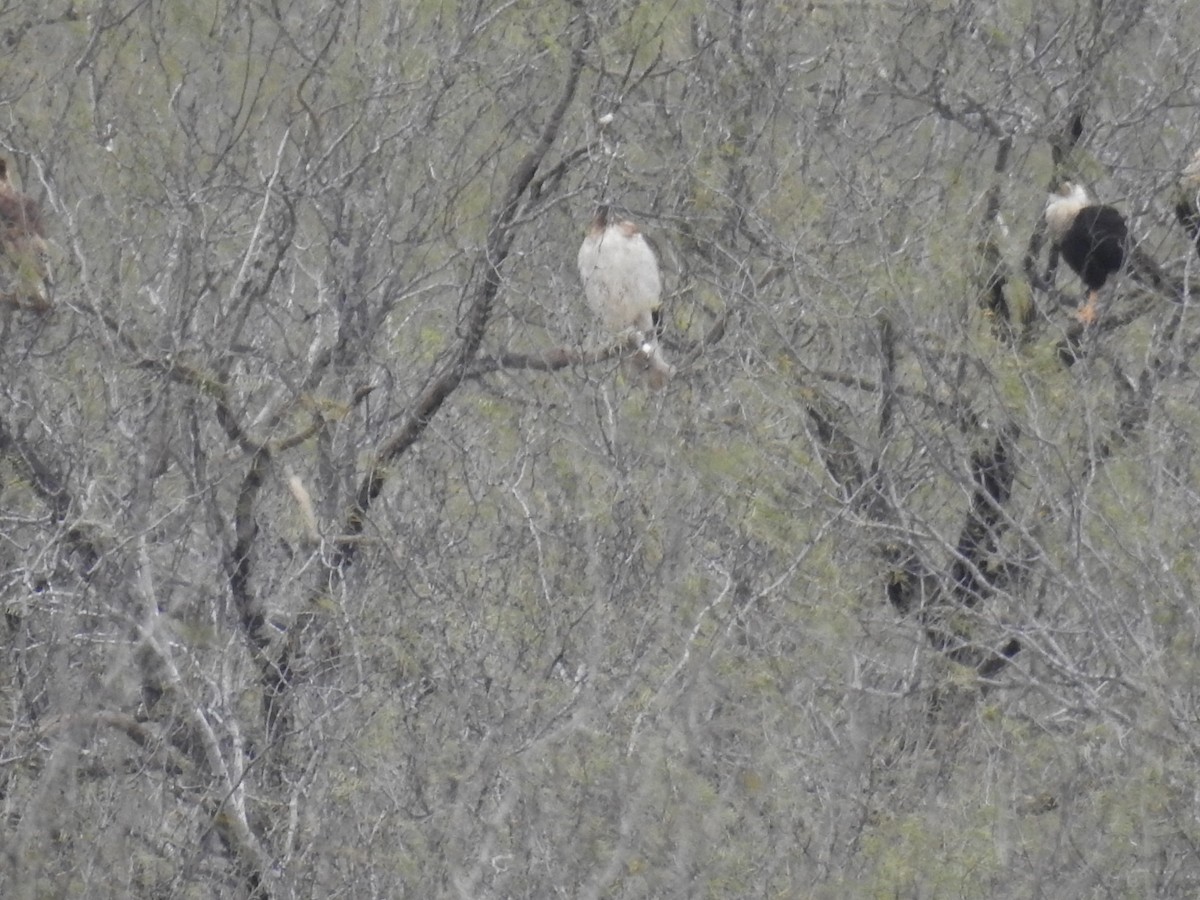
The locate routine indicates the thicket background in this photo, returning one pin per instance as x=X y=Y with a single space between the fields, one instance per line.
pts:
x=332 y=563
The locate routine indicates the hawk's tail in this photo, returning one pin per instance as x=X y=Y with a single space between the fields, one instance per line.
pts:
x=650 y=360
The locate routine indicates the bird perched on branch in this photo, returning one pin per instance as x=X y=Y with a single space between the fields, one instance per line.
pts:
x=623 y=287
x=24 y=276
x=1093 y=239
x=1191 y=172
x=1187 y=202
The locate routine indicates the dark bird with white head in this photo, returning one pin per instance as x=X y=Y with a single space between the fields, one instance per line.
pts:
x=1092 y=238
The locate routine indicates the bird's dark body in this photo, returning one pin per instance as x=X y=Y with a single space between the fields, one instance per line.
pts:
x=1095 y=244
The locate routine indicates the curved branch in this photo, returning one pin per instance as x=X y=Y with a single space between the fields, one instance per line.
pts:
x=474 y=326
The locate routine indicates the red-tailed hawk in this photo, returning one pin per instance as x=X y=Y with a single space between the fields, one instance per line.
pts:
x=24 y=277
x=623 y=287
x=1093 y=239
x=1191 y=174
x=1187 y=200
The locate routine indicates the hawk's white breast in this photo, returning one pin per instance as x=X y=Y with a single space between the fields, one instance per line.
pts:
x=620 y=277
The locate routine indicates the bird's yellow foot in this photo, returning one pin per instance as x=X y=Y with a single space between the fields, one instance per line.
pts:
x=1088 y=312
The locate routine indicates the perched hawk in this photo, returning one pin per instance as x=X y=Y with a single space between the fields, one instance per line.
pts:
x=1093 y=239
x=623 y=287
x=1191 y=174
x=24 y=277
x=1187 y=200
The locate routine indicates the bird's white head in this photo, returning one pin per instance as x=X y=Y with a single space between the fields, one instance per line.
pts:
x=1063 y=206
x=1069 y=192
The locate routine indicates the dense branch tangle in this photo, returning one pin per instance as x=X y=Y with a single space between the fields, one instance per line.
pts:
x=273 y=644
x=911 y=587
x=460 y=364
x=972 y=573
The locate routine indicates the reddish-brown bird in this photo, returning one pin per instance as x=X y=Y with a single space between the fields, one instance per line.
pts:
x=1187 y=200
x=24 y=276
